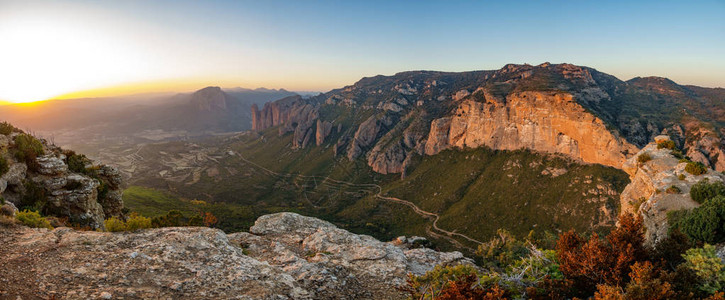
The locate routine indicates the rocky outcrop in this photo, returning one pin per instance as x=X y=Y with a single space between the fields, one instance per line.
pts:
x=323 y=129
x=84 y=199
x=274 y=113
x=647 y=193
x=284 y=256
x=546 y=122
x=210 y=99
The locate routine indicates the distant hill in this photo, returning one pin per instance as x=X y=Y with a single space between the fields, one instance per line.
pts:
x=210 y=110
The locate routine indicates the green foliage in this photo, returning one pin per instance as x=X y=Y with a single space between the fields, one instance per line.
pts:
x=32 y=219
x=429 y=285
x=136 y=222
x=705 y=223
x=502 y=250
x=114 y=224
x=77 y=162
x=695 y=168
x=4 y=167
x=27 y=149
x=673 y=189
x=681 y=177
x=704 y=190
x=643 y=158
x=34 y=196
x=708 y=266
x=173 y=218
x=668 y=144
x=677 y=154
x=6 y=128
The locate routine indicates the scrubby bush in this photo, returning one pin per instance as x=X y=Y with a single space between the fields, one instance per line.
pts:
x=668 y=144
x=643 y=158
x=134 y=222
x=705 y=190
x=502 y=250
x=708 y=267
x=673 y=189
x=4 y=166
x=27 y=149
x=34 y=197
x=6 y=128
x=76 y=162
x=114 y=224
x=32 y=219
x=705 y=223
x=677 y=154
x=695 y=168
x=681 y=177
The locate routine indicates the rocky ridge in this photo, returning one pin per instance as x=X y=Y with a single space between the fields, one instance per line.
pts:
x=647 y=193
x=553 y=108
x=284 y=256
x=84 y=199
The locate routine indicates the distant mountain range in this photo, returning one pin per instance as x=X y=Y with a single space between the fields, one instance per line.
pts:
x=207 y=111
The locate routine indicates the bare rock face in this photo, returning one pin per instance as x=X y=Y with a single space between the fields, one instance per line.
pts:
x=541 y=121
x=274 y=113
x=323 y=129
x=85 y=200
x=285 y=256
x=367 y=134
x=647 y=192
x=209 y=99
x=704 y=145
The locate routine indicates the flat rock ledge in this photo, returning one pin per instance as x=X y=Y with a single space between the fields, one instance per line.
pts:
x=284 y=256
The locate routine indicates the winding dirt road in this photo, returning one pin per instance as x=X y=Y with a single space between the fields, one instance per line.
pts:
x=378 y=190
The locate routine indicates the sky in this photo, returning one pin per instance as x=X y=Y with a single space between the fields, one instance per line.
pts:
x=65 y=49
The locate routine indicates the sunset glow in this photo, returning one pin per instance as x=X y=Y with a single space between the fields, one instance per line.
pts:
x=62 y=49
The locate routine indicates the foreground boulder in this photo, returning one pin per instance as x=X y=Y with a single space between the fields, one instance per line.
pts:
x=285 y=256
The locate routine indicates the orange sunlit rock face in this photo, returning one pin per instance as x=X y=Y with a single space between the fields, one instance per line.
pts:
x=542 y=121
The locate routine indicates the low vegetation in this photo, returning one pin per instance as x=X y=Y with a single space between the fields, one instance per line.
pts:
x=32 y=219
x=673 y=189
x=667 y=144
x=704 y=190
x=133 y=223
x=695 y=168
x=643 y=158
x=4 y=166
x=27 y=149
x=703 y=224
x=6 y=128
x=617 y=267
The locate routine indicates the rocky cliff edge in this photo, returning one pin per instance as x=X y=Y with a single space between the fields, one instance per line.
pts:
x=284 y=256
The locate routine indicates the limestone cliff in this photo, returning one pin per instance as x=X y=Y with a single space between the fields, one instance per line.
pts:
x=650 y=193
x=284 y=256
x=554 y=108
x=542 y=121
x=85 y=194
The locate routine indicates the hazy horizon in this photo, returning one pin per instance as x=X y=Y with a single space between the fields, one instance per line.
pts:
x=77 y=49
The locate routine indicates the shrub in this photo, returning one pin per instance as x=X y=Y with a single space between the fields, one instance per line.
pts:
x=136 y=222
x=677 y=154
x=695 y=168
x=28 y=148
x=114 y=224
x=4 y=166
x=6 y=128
x=704 y=190
x=173 y=218
x=643 y=158
x=591 y=262
x=668 y=144
x=34 y=197
x=705 y=223
x=681 y=177
x=673 y=190
x=76 y=162
x=708 y=267
x=32 y=219
x=502 y=250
